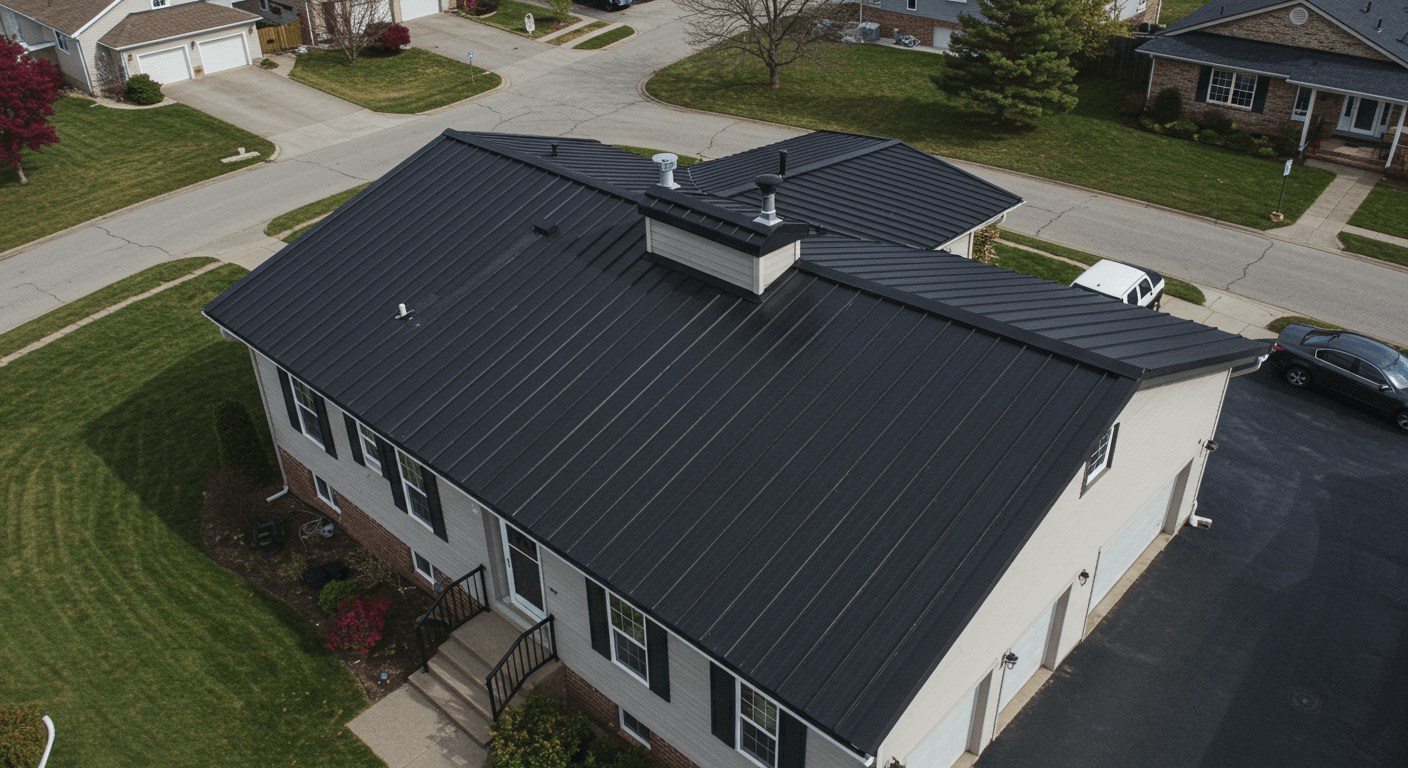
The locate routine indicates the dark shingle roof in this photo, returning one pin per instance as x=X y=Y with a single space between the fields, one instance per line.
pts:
x=819 y=488
x=1300 y=66
x=1385 y=26
x=172 y=21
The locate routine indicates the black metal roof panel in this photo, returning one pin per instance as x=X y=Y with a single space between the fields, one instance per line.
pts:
x=1157 y=343
x=862 y=186
x=1301 y=66
x=604 y=162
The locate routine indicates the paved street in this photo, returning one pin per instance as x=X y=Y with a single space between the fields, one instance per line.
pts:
x=594 y=94
x=1278 y=637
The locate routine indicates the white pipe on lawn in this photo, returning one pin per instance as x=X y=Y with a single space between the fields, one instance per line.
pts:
x=49 y=724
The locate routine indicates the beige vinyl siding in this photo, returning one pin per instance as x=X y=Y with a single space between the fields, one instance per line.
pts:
x=706 y=256
x=683 y=721
x=106 y=22
x=371 y=492
x=72 y=62
x=1161 y=431
x=776 y=263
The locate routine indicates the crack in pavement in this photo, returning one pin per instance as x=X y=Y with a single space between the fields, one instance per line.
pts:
x=105 y=231
x=1269 y=245
x=326 y=168
x=41 y=290
x=1043 y=227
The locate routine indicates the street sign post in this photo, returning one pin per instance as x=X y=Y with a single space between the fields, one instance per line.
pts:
x=471 y=67
x=1284 y=175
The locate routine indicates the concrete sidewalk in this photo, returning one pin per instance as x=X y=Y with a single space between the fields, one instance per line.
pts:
x=1331 y=211
x=407 y=731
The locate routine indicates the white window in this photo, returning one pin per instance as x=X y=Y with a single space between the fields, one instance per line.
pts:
x=628 y=639
x=633 y=727
x=911 y=4
x=757 y=726
x=413 y=483
x=1233 y=88
x=369 y=449
x=158 y=3
x=62 y=40
x=307 y=403
x=1302 y=105
x=326 y=492
x=1103 y=455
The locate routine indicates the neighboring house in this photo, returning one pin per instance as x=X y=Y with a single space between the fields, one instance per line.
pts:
x=321 y=13
x=935 y=21
x=1339 y=65
x=796 y=492
x=93 y=40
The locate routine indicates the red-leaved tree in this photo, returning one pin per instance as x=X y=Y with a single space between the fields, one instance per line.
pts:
x=28 y=88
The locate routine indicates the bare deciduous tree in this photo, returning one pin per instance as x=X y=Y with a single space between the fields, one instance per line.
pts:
x=776 y=32
x=352 y=25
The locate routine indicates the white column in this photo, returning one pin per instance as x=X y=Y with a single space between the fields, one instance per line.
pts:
x=1397 y=134
x=1309 y=113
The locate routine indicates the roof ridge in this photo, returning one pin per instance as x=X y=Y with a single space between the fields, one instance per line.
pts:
x=481 y=141
x=818 y=165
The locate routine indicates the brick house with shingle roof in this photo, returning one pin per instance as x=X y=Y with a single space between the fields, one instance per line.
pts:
x=96 y=40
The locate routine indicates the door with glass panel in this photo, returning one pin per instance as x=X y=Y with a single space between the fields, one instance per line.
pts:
x=525 y=575
x=1366 y=116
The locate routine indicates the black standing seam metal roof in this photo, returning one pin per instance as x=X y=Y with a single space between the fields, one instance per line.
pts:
x=819 y=489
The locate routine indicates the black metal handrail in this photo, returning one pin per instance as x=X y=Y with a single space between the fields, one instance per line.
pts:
x=462 y=600
x=529 y=653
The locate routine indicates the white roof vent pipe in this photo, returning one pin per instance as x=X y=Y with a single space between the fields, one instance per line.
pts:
x=768 y=186
x=667 y=163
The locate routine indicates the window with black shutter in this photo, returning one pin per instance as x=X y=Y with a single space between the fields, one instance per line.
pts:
x=623 y=634
x=723 y=692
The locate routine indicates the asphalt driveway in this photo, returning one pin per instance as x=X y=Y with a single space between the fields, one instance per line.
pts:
x=1278 y=637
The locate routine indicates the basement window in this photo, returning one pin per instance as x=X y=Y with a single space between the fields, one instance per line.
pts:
x=631 y=725
x=326 y=493
x=912 y=5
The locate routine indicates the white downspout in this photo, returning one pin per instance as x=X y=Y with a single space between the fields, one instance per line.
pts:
x=1397 y=134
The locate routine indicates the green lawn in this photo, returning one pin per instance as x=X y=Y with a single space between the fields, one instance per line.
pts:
x=413 y=81
x=578 y=32
x=1172 y=285
x=605 y=39
x=1385 y=210
x=1374 y=249
x=312 y=211
x=684 y=160
x=117 y=623
x=1173 y=10
x=1036 y=265
x=18 y=338
x=108 y=159
x=510 y=19
x=886 y=92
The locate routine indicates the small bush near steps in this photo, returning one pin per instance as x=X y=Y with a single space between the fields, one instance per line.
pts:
x=143 y=90
x=359 y=625
x=335 y=593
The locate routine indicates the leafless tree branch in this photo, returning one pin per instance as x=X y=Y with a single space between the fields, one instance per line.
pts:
x=352 y=25
x=776 y=32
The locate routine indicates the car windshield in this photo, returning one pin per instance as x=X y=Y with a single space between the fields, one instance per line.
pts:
x=1397 y=372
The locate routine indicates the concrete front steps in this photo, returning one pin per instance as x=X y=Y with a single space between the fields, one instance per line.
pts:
x=455 y=684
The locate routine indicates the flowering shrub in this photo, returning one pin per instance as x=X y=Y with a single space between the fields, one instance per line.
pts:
x=359 y=625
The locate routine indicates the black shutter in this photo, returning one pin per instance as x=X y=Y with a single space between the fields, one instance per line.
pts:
x=354 y=438
x=325 y=425
x=432 y=497
x=721 y=697
x=1204 y=80
x=791 y=741
x=596 y=616
x=1110 y=456
x=657 y=653
x=1263 y=83
x=288 y=400
x=392 y=470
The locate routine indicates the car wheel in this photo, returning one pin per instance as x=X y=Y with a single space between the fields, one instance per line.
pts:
x=1297 y=376
x=1401 y=419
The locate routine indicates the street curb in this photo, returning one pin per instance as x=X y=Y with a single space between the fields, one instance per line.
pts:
x=634 y=34
x=640 y=91
x=503 y=83
x=17 y=250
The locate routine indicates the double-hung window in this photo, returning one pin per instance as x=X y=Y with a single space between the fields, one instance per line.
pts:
x=1102 y=456
x=307 y=403
x=1302 y=106
x=413 y=483
x=1232 y=88
x=757 y=725
x=370 y=455
x=628 y=641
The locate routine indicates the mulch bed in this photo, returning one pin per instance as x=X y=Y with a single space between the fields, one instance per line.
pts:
x=228 y=515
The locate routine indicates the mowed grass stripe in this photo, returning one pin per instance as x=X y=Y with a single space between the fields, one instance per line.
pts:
x=118 y=624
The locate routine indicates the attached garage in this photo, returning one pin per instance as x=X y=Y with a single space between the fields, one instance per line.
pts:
x=166 y=67
x=948 y=742
x=1030 y=650
x=1117 y=556
x=223 y=53
x=414 y=9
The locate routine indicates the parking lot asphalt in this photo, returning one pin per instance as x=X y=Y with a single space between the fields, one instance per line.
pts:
x=1277 y=637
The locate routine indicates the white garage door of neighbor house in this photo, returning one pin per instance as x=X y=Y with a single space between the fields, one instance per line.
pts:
x=225 y=53
x=1030 y=650
x=414 y=9
x=945 y=744
x=166 y=67
x=942 y=35
x=1127 y=545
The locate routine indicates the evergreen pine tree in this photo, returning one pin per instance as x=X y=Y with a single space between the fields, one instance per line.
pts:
x=240 y=451
x=1016 y=62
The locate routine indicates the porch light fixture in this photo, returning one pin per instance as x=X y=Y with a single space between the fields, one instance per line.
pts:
x=1211 y=445
x=1009 y=660
x=1084 y=576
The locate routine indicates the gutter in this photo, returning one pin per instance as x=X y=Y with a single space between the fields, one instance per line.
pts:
x=231 y=25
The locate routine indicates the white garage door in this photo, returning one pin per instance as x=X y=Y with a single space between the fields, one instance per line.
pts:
x=414 y=9
x=942 y=35
x=222 y=54
x=945 y=744
x=1030 y=650
x=1117 y=556
x=166 y=67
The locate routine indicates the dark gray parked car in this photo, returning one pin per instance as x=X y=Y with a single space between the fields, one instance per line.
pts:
x=1352 y=365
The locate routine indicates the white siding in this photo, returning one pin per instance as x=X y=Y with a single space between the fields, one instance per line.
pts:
x=732 y=266
x=1161 y=430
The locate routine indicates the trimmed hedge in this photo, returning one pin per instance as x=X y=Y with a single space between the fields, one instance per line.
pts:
x=143 y=90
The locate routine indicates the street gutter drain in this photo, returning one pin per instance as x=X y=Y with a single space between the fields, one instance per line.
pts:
x=1304 y=701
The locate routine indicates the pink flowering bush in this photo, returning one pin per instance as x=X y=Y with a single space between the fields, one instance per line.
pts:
x=359 y=625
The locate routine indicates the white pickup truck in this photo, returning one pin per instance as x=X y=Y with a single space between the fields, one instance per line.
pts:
x=1130 y=284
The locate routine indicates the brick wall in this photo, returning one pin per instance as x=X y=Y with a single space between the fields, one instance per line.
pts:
x=568 y=686
x=1280 y=98
x=919 y=26
x=353 y=520
x=1317 y=32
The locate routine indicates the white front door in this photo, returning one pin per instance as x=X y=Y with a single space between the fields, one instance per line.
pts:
x=224 y=53
x=1030 y=651
x=525 y=572
x=945 y=744
x=1366 y=116
x=166 y=67
x=414 y=9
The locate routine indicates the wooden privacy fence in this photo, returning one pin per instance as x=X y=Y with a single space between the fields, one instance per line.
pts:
x=280 y=38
